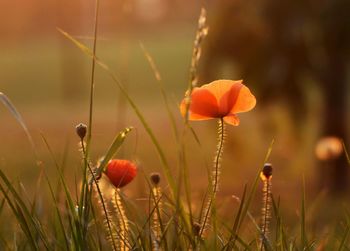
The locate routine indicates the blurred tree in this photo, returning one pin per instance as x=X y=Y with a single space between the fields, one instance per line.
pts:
x=273 y=44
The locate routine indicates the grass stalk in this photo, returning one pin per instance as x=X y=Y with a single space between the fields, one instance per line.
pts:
x=92 y=80
x=202 y=32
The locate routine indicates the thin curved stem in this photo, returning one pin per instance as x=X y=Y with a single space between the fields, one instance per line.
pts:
x=215 y=175
x=92 y=80
x=265 y=212
x=104 y=206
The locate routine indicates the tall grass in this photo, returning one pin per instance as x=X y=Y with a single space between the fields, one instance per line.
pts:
x=89 y=219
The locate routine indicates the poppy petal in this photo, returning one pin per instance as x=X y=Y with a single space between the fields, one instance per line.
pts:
x=219 y=99
x=221 y=87
x=203 y=105
x=244 y=102
x=232 y=119
x=228 y=100
x=121 y=172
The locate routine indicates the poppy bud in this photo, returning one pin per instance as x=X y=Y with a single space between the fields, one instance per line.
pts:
x=267 y=170
x=155 y=178
x=81 y=130
x=121 y=172
x=196 y=228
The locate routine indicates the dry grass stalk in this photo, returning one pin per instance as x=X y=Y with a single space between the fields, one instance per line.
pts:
x=202 y=32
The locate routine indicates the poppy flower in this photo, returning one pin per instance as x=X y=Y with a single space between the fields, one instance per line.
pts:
x=219 y=99
x=121 y=172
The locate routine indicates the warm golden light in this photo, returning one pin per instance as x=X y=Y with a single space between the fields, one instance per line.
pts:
x=329 y=148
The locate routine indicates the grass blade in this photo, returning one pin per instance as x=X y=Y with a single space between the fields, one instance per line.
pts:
x=8 y=104
x=20 y=219
x=302 y=221
x=162 y=90
x=113 y=149
x=346 y=153
x=92 y=80
x=345 y=237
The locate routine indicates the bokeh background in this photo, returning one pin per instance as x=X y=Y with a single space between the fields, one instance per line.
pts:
x=284 y=50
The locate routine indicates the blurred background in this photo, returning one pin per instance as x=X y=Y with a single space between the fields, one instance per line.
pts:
x=294 y=55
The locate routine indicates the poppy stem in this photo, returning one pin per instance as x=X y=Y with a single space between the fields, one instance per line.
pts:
x=266 y=212
x=215 y=176
x=156 y=222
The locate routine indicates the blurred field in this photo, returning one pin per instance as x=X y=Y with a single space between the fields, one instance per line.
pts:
x=47 y=79
x=32 y=78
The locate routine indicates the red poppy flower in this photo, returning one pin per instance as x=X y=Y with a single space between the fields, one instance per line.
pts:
x=121 y=172
x=220 y=99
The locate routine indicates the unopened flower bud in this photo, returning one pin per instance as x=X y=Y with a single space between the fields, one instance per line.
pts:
x=196 y=228
x=121 y=172
x=267 y=170
x=81 y=130
x=155 y=178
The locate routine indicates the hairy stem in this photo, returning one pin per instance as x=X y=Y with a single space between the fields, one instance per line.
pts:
x=156 y=222
x=266 y=211
x=100 y=195
x=215 y=176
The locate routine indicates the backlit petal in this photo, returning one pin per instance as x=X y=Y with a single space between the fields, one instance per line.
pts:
x=203 y=105
x=229 y=99
x=244 y=102
x=221 y=87
x=232 y=119
x=220 y=99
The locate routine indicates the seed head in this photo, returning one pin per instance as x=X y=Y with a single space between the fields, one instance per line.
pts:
x=155 y=178
x=81 y=130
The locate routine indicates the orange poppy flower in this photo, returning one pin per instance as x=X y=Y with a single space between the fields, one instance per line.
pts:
x=220 y=99
x=121 y=172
